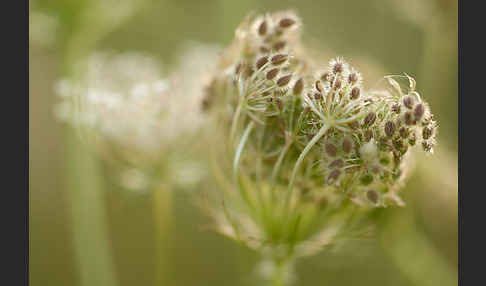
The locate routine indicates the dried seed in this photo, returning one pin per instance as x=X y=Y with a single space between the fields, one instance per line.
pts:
x=347 y=145
x=283 y=81
x=331 y=149
x=272 y=73
x=262 y=29
x=355 y=93
x=298 y=86
x=261 y=62
x=389 y=128
x=279 y=59
x=286 y=22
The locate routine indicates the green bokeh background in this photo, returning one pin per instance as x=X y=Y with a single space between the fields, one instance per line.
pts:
x=416 y=245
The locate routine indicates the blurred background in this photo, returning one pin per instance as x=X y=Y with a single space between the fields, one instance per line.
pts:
x=415 y=245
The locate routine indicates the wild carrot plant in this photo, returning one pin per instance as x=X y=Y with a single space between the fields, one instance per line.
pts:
x=303 y=150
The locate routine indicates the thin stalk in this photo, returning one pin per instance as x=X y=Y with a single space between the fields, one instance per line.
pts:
x=241 y=146
x=302 y=155
x=284 y=151
x=91 y=243
x=163 y=217
x=236 y=117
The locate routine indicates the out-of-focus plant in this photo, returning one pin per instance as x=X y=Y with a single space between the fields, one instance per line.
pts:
x=304 y=152
x=141 y=123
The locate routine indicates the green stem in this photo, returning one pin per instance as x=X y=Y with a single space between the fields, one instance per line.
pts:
x=241 y=145
x=302 y=155
x=91 y=242
x=162 y=210
x=284 y=151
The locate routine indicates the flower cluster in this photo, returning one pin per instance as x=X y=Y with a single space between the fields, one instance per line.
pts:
x=307 y=141
x=122 y=105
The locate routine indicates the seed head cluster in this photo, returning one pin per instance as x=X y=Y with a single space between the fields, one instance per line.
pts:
x=319 y=126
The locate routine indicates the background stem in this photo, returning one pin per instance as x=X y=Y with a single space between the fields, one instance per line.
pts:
x=162 y=208
x=90 y=237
